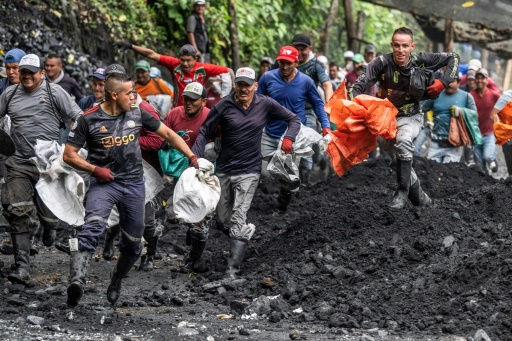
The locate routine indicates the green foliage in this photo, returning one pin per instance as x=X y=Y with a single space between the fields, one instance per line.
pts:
x=129 y=20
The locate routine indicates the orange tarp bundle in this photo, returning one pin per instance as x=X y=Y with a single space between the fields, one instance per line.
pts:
x=503 y=125
x=359 y=123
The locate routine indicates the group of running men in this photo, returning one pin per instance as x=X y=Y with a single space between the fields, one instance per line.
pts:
x=259 y=116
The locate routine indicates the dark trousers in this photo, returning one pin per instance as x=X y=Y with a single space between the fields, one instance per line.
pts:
x=19 y=196
x=129 y=197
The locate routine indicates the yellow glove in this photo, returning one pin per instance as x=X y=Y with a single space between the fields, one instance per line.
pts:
x=455 y=111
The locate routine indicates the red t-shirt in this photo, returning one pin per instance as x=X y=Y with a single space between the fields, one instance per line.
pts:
x=484 y=106
x=177 y=121
x=213 y=98
x=199 y=73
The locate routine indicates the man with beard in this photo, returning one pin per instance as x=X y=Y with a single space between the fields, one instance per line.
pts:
x=393 y=72
x=292 y=89
x=242 y=117
x=37 y=109
x=111 y=131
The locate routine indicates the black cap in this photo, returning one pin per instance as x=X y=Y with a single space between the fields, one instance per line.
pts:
x=114 y=68
x=301 y=39
x=188 y=50
x=369 y=48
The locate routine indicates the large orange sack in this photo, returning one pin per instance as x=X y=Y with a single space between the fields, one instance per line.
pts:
x=359 y=123
x=503 y=125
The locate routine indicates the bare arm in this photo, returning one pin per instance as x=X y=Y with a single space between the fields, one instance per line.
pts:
x=327 y=86
x=72 y=158
x=148 y=53
x=174 y=140
x=495 y=117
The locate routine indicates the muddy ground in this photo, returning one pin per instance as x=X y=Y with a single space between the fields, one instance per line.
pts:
x=335 y=267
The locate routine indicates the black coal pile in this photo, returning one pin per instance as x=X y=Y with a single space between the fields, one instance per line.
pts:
x=43 y=28
x=339 y=258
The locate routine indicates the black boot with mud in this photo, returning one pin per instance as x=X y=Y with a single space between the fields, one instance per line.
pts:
x=121 y=269
x=146 y=261
x=110 y=236
x=194 y=261
x=78 y=270
x=21 y=247
x=283 y=200
x=403 y=175
x=236 y=255
x=417 y=196
x=49 y=235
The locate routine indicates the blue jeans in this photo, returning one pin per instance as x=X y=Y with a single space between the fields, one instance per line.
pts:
x=485 y=152
x=129 y=197
x=420 y=140
x=444 y=155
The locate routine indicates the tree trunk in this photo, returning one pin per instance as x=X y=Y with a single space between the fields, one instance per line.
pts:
x=351 y=26
x=485 y=59
x=448 y=35
x=324 y=42
x=359 y=30
x=235 y=46
x=508 y=71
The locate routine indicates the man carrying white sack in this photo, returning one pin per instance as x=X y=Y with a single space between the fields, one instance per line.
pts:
x=111 y=131
x=242 y=117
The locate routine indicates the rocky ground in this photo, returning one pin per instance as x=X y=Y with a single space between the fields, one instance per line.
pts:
x=335 y=267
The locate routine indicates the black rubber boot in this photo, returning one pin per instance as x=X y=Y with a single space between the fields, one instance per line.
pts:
x=21 y=247
x=403 y=174
x=236 y=255
x=194 y=262
x=146 y=261
x=304 y=177
x=121 y=269
x=35 y=228
x=110 y=236
x=283 y=200
x=78 y=264
x=49 y=235
x=417 y=196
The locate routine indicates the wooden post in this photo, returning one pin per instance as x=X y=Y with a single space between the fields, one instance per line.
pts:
x=506 y=79
x=359 y=30
x=324 y=42
x=485 y=59
x=350 y=25
x=448 y=35
x=235 y=46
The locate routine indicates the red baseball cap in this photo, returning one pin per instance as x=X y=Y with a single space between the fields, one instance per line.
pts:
x=288 y=53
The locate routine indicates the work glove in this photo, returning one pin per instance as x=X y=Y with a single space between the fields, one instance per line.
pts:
x=326 y=131
x=287 y=146
x=435 y=89
x=455 y=111
x=165 y=145
x=102 y=174
x=429 y=124
x=193 y=161
x=123 y=46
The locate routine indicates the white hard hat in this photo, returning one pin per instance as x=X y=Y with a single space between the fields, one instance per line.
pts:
x=348 y=54
x=199 y=2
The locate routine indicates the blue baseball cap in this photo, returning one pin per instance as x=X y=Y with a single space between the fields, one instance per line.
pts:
x=99 y=73
x=14 y=56
x=155 y=72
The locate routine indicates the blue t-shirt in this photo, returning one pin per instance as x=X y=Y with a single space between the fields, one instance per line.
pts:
x=442 y=114
x=293 y=96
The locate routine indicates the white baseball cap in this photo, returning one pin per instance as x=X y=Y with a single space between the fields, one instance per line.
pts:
x=348 y=54
x=246 y=75
x=30 y=62
x=199 y=2
x=474 y=64
x=194 y=90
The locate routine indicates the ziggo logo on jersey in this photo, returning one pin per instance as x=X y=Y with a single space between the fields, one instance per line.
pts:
x=109 y=141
